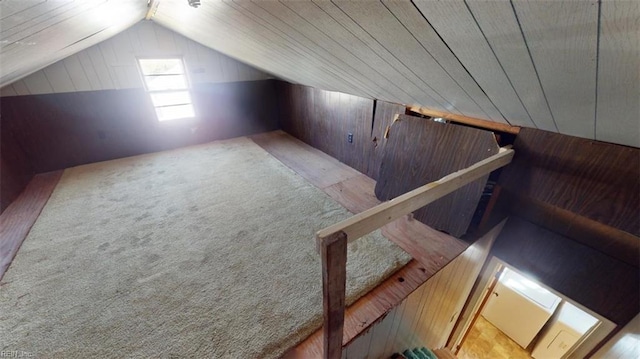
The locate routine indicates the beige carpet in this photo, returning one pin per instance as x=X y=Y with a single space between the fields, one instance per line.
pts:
x=206 y=251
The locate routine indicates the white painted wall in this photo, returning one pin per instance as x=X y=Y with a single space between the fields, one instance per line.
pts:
x=111 y=64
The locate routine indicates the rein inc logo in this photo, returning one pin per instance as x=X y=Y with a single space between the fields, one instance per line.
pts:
x=16 y=354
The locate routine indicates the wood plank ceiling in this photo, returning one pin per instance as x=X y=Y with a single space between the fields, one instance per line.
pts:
x=564 y=66
x=37 y=33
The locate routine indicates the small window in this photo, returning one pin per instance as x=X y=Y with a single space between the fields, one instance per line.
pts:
x=167 y=84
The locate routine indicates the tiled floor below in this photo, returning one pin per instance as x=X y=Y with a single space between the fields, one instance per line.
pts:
x=487 y=342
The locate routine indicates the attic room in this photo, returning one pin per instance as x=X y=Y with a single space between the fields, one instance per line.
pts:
x=319 y=179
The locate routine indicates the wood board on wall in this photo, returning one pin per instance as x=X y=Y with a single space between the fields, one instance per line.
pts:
x=383 y=116
x=596 y=180
x=419 y=151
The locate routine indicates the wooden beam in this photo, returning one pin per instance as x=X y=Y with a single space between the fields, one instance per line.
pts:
x=376 y=217
x=152 y=8
x=333 y=250
x=486 y=124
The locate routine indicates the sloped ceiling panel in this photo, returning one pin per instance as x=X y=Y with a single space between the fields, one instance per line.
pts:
x=36 y=33
x=330 y=46
x=112 y=64
x=564 y=66
x=529 y=63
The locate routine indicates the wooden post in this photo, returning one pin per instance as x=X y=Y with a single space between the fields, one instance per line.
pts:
x=332 y=241
x=333 y=251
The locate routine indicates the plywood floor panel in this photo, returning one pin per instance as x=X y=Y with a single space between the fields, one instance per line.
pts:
x=16 y=221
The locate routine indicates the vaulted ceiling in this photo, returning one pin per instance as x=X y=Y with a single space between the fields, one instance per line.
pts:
x=564 y=66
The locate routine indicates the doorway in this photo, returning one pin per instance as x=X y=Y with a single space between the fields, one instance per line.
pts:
x=516 y=317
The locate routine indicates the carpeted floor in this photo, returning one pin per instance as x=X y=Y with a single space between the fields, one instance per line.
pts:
x=205 y=251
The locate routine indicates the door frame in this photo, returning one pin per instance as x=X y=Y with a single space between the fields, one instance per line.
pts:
x=480 y=294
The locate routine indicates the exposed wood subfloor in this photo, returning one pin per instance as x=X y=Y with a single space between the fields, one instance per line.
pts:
x=16 y=221
x=431 y=249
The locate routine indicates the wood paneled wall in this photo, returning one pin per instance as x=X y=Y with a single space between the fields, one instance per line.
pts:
x=427 y=316
x=112 y=64
x=48 y=132
x=15 y=169
x=596 y=180
x=324 y=120
x=601 y=283
x=585 y=190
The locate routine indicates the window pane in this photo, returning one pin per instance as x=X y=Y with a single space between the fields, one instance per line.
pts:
x=170 y=98
x=161 y=66
x=174 y=112
x=171 y=82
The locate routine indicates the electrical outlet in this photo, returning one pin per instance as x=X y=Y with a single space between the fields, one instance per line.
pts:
x=350 y=138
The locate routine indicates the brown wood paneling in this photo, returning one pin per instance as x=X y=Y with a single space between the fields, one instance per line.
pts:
x=382 y=118
x=17 y=220
x=62 y=130
x=15 y=169
x=323 y=119
x=609 y=240
x=596 y=180
x=420 y=151
x=597 y=281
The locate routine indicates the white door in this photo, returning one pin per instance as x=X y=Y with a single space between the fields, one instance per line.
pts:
x=519 y=307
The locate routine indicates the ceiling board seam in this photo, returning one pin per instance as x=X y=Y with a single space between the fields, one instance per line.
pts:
x=33 y=18
x=54 y=24
x=535 y=68
x=436 y=60
x=84 y=38
x=460 y=62
x=347 y=49
x=287 y=47
x=365 y=44
x=499 y=63
x=191 y=42
x=25 y=9
x=284 y=46
x=402 y=63
x=300 y=50
x=318 y=54
x=224 y=20
x=595 y=116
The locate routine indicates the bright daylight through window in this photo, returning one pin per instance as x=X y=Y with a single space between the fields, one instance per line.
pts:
x=167 y=84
